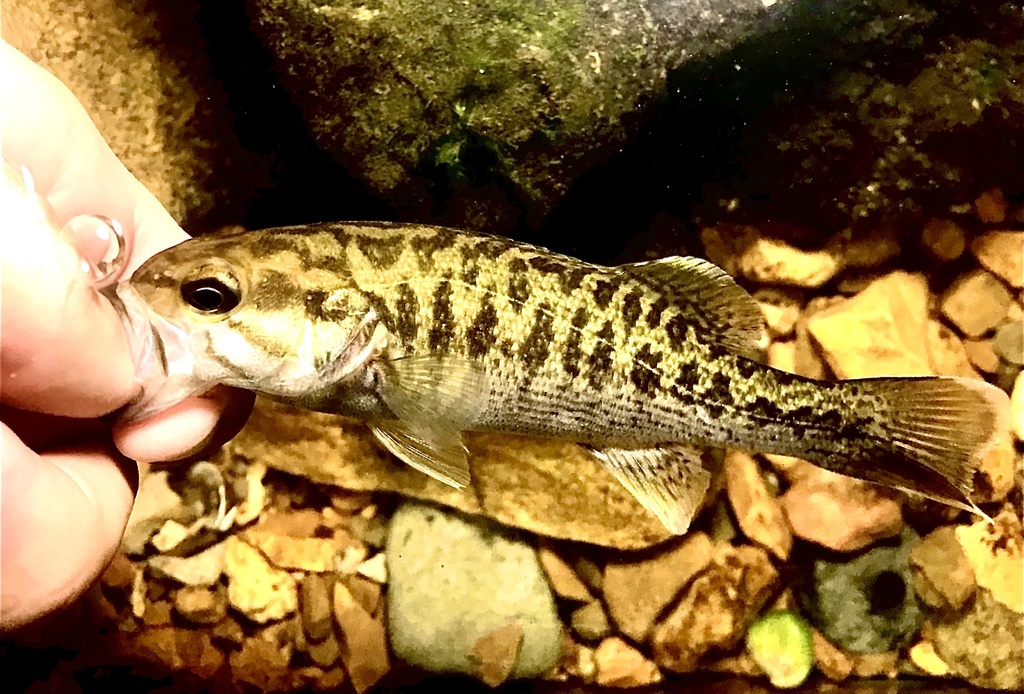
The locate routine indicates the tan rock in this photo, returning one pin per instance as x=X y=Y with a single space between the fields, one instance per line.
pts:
x=160 y=647
x=841 y=513
x=324 y=653
x=1002 y=253
x=758 y=513
x=981 y=355
x=496 y=653
x=620 y=665
x=290 y=523
x=782 y=355
x=636 y=592
x=260 y=665
x=996 y=553
x=990 y=206
x=375 y=568
x=944 y=239
x=780 y=308
x=551 y=488
x=923 y=655
x=995 y=475
x=201 y=569
x=770 y=261
x=806 y=359
x=976 y=302
x=563 y=579
x=1017 y=407
x=879 y=332
x=830 y=659
x=366 y=592
x=864 y=251
x=250 y=508
x=364 y=646
x=943 y=577
x=716 y=609
x=590 y=622
x=258 y=590
x=1008 y=342
x=869 y=665
x=725 y=244
x=158 y=613
x=200 y=605
x=315 y=595
x=946 y=352
x=984 y=646
x=311 y=554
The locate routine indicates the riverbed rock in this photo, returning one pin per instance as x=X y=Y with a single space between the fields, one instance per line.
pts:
x=757 y=511
x=552 y=488
x=621 y=666
x=716 y=609
x=976 y=302
x=1017 y=407
x=996 y=554
x=454 y=581
x=260 y=591
x=1002 y=254
x=882 y=331
x=636 y=591
x=943 y=577
x=944 y=239
x=985 y=646
x=866 y=604
x=839 y=512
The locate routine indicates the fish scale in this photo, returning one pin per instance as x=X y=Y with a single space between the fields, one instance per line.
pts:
x=427 y=332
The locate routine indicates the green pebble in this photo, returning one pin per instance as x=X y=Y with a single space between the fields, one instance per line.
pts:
x=781 y=643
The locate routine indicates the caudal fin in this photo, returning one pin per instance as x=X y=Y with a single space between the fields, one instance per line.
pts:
x=939 y=430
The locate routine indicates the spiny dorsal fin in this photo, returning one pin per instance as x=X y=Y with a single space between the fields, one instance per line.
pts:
x=669 y=480
x=707 y=295
x=434 y=399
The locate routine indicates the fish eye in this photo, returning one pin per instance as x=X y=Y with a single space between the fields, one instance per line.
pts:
x=210 y=295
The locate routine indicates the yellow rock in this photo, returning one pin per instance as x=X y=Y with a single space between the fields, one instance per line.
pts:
x=923 y=655
x=996 y=553
x=882 y=331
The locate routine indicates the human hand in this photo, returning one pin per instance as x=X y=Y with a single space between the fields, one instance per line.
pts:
x=67 y=474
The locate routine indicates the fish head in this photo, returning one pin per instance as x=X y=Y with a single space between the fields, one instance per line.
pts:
x=225 y=311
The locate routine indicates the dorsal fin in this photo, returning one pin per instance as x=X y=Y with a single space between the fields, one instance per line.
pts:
x=706 y=294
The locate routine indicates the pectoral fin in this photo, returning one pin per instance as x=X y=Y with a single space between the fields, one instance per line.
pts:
x=669 y=480
x=438 y=452
x=434 y=399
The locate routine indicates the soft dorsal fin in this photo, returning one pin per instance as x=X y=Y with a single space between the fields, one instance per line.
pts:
x=434 y=399
x=669 y=480
x=706 y=294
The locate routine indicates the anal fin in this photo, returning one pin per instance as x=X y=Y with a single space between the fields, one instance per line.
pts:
x=669 y=480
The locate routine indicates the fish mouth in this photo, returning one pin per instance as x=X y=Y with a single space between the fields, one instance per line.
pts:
x=162 y=352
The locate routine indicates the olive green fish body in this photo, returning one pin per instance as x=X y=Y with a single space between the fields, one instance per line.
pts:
x=427 y=332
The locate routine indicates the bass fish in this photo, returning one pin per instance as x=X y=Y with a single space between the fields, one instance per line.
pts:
x=428 y=332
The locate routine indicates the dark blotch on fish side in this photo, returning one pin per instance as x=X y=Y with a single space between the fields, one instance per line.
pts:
x=482 y=332
x=315 y=309
x=431 y=242
x=653 y=317
x=631 y=308
x=537 y=346
x=382 y=253
x=408 y=309
x=442 y=328
x=603 y=292
x=491 y=247
x=573 y=355
x=568 y=272
x=675 y=329
x=380 y=306
x=518 y=284
x=275 y=291
x=645 y=374
x=600 y=361
x=747 y=368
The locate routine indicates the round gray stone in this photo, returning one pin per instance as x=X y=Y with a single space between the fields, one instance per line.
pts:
x=455 y=580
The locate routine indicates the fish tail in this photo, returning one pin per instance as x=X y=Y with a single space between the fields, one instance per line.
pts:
x=938 y=430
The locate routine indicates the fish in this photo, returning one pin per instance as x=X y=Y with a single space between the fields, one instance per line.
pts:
x=427 y=332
